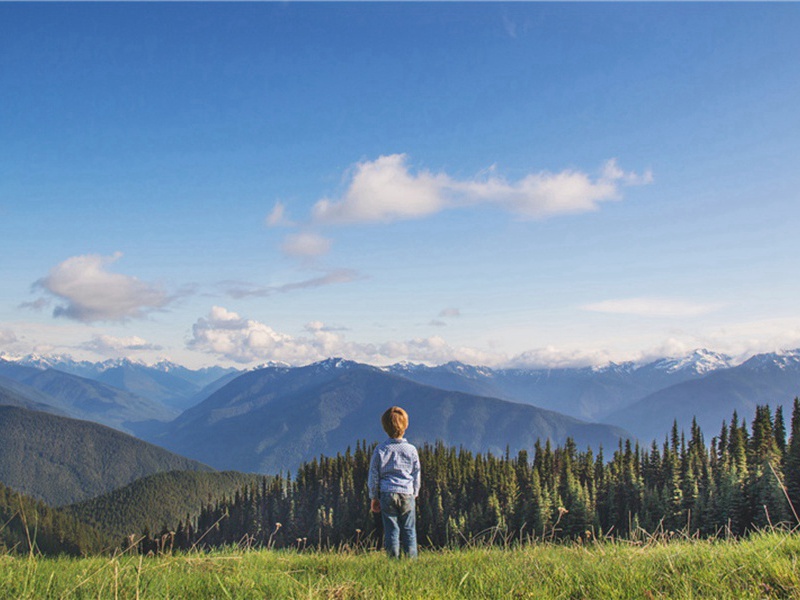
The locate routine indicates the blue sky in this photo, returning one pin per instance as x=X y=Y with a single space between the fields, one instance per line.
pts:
x=502 y=184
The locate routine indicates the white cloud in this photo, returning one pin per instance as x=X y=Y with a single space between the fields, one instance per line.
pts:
x=91 y=293
x=278 y=216
x=107 y=345
x=305 y=245
x=386 y=190
x=551 y=357
x=652 y=307
x=449 y=313
x=229 y=336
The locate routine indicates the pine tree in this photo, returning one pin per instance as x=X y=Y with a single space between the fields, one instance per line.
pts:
x=792 y=458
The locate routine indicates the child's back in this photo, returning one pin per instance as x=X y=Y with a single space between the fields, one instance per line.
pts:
x=394 y=479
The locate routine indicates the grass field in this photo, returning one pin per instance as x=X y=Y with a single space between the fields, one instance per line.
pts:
x=764 y=566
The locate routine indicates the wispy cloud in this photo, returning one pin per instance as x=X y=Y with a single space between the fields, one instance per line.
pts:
x=278 y=217
x=386 y=190
x=7 y=337
x=305 y=244
x=244 y=290
x=88 y=292
x=107 y=345
x=445 y=313
x=652 y=307
x=37 y=305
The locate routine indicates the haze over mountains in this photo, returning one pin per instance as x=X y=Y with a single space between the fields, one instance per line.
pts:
x=590 y=393
x=272 y=418
x=278 y=417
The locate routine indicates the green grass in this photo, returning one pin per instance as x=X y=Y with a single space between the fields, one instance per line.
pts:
x=764 y=566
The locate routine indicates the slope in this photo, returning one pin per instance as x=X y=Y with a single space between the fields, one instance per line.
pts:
x=584 y=393
x=156 y=500
x=87 y=399
x=274 y=419
x=772 y=379
x=30 y=525
x=13 y=393
x=61 y=460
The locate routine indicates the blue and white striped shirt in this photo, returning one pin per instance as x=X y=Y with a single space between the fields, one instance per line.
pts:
x=394 y=468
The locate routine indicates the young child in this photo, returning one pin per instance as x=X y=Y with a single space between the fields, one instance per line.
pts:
x=394 y=477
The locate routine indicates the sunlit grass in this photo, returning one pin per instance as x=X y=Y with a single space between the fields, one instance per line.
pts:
x=764 y=566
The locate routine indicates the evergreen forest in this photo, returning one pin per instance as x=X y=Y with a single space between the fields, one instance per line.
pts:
x=31 y=526
x=747 y=478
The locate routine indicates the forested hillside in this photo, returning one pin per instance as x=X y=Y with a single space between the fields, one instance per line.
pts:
x=730 y=486
x=152 y=501
x=62 y=461
x=29 y=525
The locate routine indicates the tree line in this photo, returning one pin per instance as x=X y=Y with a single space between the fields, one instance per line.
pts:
x=31 y=526
x=744 y=479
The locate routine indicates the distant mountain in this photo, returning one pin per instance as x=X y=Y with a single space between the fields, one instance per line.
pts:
x=166 y=383
x=772 y=379
x=13 y=393
x=87 y=399
x=61 y=460
x=273 y=419
x=29 y=525
x=211 y=388
x=588 y=393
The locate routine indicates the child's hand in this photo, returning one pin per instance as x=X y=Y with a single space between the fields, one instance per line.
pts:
x=375 y=505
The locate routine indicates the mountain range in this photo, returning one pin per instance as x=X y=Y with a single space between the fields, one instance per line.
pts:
x=83 y=398
x=166 y=383
x=772 y=379
x=273 y=419
x=590 y=393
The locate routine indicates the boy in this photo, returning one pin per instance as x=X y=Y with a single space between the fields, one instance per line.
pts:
x=394 y=477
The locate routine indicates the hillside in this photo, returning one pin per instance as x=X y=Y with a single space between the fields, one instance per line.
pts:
x=13 y=393
x=61 y=460
x=273 y=419
x=27 y=524
x=83 y=398
x=166 y=383
x=584 y=393
x=764 y=379
x=155 y=500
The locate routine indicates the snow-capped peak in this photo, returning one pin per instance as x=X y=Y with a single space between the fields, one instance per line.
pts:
x=782 y=360
x=700 y=361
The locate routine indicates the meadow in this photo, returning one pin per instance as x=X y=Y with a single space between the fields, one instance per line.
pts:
x=764 y=565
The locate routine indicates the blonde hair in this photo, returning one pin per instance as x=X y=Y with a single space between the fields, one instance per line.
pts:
x=395 y=422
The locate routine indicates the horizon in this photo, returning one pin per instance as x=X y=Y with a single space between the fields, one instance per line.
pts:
x=496 y=184
x=730 y=361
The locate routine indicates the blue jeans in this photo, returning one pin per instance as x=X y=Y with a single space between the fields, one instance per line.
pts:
x=399 y=515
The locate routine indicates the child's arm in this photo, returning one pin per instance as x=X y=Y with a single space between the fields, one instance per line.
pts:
x=416 y=474
x=374 y=483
